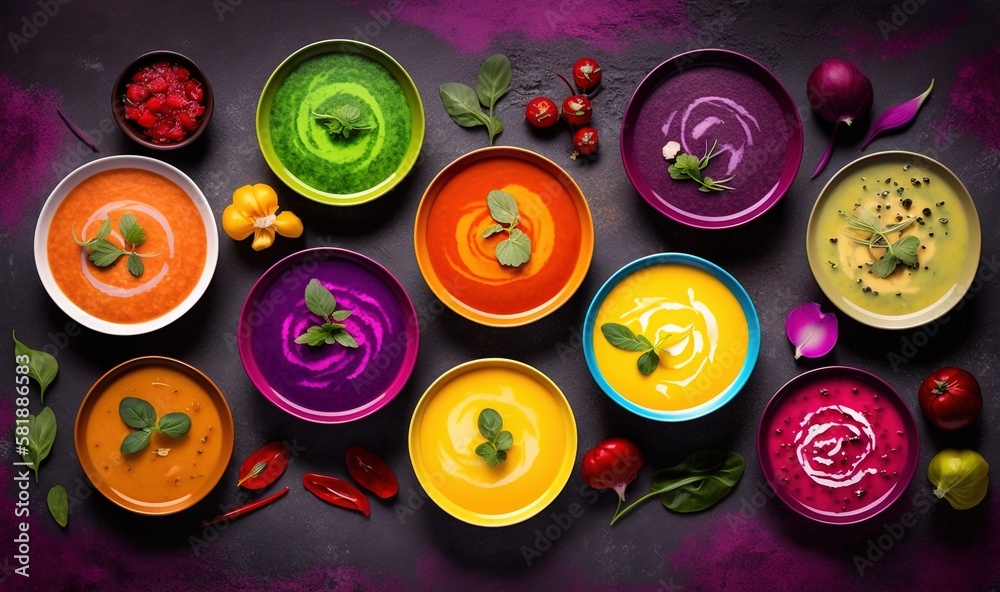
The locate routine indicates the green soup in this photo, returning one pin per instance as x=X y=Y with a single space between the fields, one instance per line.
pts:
x=891 y=194
x=331 y=162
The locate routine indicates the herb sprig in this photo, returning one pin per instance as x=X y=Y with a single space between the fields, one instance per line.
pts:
x=139 y=414
x=322 y=304
x=516 y=249
x=104 y=253
x=498 y=440
x=462 y=103
x=622 y=337
x=688 y=166
x=903 y=250
x=343 y=122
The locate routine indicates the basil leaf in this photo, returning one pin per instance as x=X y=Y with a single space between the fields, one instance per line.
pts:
x=514 y=251
x=494 y=80
x=339 y=315
x=349 y=114
x=103 y=253
x=500 y=457
x=135 y=442
x=175 y=425
x=137 y=413
x=41 y=365
x=700 y=481
x=504 y=440
x=503 y=206
x=41 y=435
x=648 y=362
x=485 y=449
x=135 y=265
x=313 y=336
x=645 y=342
x=344 y=338
x=58 y=502
x=494 y=126
x=131 y=231
x=462 y=104
x=622 y=337
x=319 y=299
x=490 y=423
x=104 y=231
x=492 y=230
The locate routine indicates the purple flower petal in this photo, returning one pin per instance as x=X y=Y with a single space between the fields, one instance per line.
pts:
x=812 y=332
x=898 y=116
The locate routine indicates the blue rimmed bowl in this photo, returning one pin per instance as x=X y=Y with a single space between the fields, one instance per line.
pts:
x=676 y=301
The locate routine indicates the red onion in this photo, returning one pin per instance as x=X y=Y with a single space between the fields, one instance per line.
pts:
x=838 y=92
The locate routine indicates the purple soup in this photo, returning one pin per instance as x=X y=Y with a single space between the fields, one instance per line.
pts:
x=329 y=382
x=698 y=107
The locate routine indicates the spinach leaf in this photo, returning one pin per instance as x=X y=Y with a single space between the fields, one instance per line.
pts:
x=462 y=104
x=58 y=502
x=700 y=481
x=494 y=80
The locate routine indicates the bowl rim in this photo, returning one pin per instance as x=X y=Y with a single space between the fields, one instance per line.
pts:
x=582 y=264
x=929 y=313
x=737 y=290
x=559 y=481
x=913 y=457
x=409 y=88
x=215 y=393
x=117 y=162
x=118 y=105
x=796 y=143
x=253 y=372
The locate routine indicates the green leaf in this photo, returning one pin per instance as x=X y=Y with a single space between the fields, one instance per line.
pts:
x=135 y=442
x=41 y=435
x=492 y=230
x=885 y=266
x=494 y=81
x=349 y=114
x=135 y=265
x=648 y=362
x=103 y=253
x=313 y=336
x=137 y=413
x=514 y=251
x=688 y=163
x=700 y=481
x=104 y=231
x=501 y=456
x=344 y=338
x=504 y=440
x=41 y=365
x=676 y=173
x=503 y=206
x=494 y=126
x=58 y=502
x=622 y=337
x=319 y=299
x=490 y=423
x=485 y=449
x=905 y=249
x=645 y=342
x=175 y=425
x=132 y=233
x=340 y=315
x=462 y=104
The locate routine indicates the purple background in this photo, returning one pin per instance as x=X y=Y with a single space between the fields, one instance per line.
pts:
x=750 y=541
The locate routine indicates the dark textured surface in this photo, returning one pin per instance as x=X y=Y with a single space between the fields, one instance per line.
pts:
x=301 y=543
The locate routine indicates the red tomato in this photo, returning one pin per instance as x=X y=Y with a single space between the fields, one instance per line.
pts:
x=950 y=398
x=541 y=112
x=586 y=73
x=577 y=109
x=584 y=142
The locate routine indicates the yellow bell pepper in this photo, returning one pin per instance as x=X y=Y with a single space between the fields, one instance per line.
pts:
x=960 y=476
x=253 y=211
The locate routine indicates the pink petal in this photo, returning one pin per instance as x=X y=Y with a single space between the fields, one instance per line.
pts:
x=898 y=116
x=812 y=332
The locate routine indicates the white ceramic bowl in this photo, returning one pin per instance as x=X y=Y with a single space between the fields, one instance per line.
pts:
x=124 y=162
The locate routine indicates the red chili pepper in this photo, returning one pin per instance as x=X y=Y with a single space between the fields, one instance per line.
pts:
x=244 y=509
x=371 y=472
x=264 y=466
x=613 y=464
x=337 y=492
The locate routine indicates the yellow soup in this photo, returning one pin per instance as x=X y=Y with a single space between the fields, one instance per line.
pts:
x=148 y=481
x=447 y=434
x=698 y=325
x=886 y=193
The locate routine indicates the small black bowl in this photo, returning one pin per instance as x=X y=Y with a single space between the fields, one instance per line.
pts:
x=132 y=129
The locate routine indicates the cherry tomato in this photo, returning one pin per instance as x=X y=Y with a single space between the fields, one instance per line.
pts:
x=577 y=109
x=584 y=142
x=541 y=112
x=586 y=73
x=950 y=398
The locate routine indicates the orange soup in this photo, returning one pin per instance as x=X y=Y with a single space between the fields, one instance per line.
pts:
x=168 y=472
x=173 y=228
x=466 y=263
